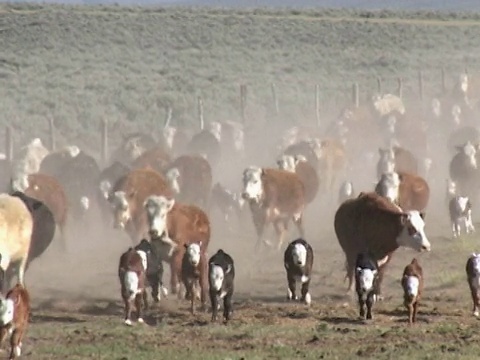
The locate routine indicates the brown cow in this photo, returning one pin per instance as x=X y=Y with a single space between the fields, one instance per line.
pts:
x=156 y=158
x=128 y=196
x=371 y=223
x=412 y=283
x=48 y=190
x=332 y=161
x=274 y=196
x=396 y=159
x=305 y=171
x=172 y=225
x=195 y=273
x=132 y=271
x=410 y=192
x=190 y=177
x=14 y=318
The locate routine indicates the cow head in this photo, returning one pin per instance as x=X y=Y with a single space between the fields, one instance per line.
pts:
x=366 y=278
x=7 y=310
x=299 y=255
x=413 y=231
x=73 y=151
x=216 y=129
x=389 y=186
x=287 y=163
x=169 y=134
x=451 y=188
x=469 y=151
x=252 y=184
x=463 y=81
x=85 y=203
x=173 y=176
x=144 y=249
x=216 y=276
x=157 y=208
x=456 y=113
x=105 y=187
x=193 y=252
x=20 y=183
x=346 y=189
x=121 y=209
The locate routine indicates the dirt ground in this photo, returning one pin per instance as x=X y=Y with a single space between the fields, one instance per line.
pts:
x=77 y=311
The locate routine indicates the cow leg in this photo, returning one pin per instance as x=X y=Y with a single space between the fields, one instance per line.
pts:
x=291 y=288
x=305 y=294
x=128 y=311
x=298 y=221
x=415 y=310
x=475 y=300
x=154 y=281
x=21 y=270
x=175 y=270
x=370 y=301
x=15 y=343
x=214 y=302
x=260 y=228
x=145 y=300
x=280 y=230
x=381 y=273
x=361 y=306
x=227 y=306
x=138 y=306
x=454 y=229
x=203 y=281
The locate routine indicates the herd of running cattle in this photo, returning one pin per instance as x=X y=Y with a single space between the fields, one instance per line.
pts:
x=161 y=192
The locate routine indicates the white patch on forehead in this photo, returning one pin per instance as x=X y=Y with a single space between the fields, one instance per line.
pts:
x=287 y=163
x=85 y=202
x=105 y=187
x=157 y=208
x=462 y=202
x=120 y=199
x=193 y=252
x=412 y=284
x=216 y=129
x=216 y=277
x=143 y=255
x=172 y=176
x=366 y=278
x=21 y=183
x=389 y=186
x=73 y=151
x=7 y=309
x=418 y=240
x=299 y=254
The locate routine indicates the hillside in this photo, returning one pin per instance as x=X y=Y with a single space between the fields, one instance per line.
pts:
x=84 y=63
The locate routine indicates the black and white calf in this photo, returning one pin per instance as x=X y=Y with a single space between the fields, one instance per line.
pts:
x=460 y=210
x=298 y=261
x=473 y=277
x=221 y=275
x=194 y=274
x=366 y=274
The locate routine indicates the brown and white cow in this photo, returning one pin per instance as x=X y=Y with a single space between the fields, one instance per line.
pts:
x=332 y=161
x=371 y=223
x=410 y=192
x=48 y=190
x=172 y=225
x=396 y=159
x=128 y=196
x=30 y=157
x=190 y=177
x=305 y=171
x=132 y=146
x=412 y=284
x=275 y=196
x=14 y=318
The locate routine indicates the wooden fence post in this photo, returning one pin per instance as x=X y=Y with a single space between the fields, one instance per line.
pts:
x=444 y=85
x=420 y=84
x=400 y=87
x=317 y=104
x=379 y=85
x=51 y=131
x=200 y=113
x=355 y=95
x=168 y=117
x=8 y=144
x=243 y=101
x=104 y=132
x=275 y=100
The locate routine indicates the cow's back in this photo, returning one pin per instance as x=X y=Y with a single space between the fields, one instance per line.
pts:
x=283 y=189
x=414 y=192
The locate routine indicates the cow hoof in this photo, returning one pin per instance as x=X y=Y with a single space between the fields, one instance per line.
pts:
x=164 y=291
x=476 y=313
x=128 y=322
x=141 y=321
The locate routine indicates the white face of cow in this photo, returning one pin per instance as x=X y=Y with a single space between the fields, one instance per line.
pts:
x=85 y=203
x=476 y=263
x=347 y=189
x=451 y=188
x=105 y=187
x=389 y=186
x=436 y=108
x=366 y=278
x=172 y=177
x=193 y=253
x=7 y=309
x=463 y=80
x=121 y=209
x=20 y=183
x=73 y=151
x=252 y=184
x=470 y=151
x=413 y=233
x=216 y=129
x=157 y=208
x=299 y=255
x=456 y=112
x=287 y=163
x=169 y=134
x=216 y=277
x=462 y=202
x=412 y=283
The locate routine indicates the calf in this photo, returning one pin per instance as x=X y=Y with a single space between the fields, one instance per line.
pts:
x=14 y=318
x=221 y=271
x=194 y=272
x=132 y=271
x=366 y=275
x=460 y=210
x=473 y=277
x=298 y=261
x=412 y=283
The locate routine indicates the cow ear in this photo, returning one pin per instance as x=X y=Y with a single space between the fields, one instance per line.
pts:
x=359 y=268
x=403 y=218
x=229 y=268
x=422 y=215
x=185 y=246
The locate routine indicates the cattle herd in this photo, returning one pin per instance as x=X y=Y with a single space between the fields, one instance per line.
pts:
x=161 y=192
